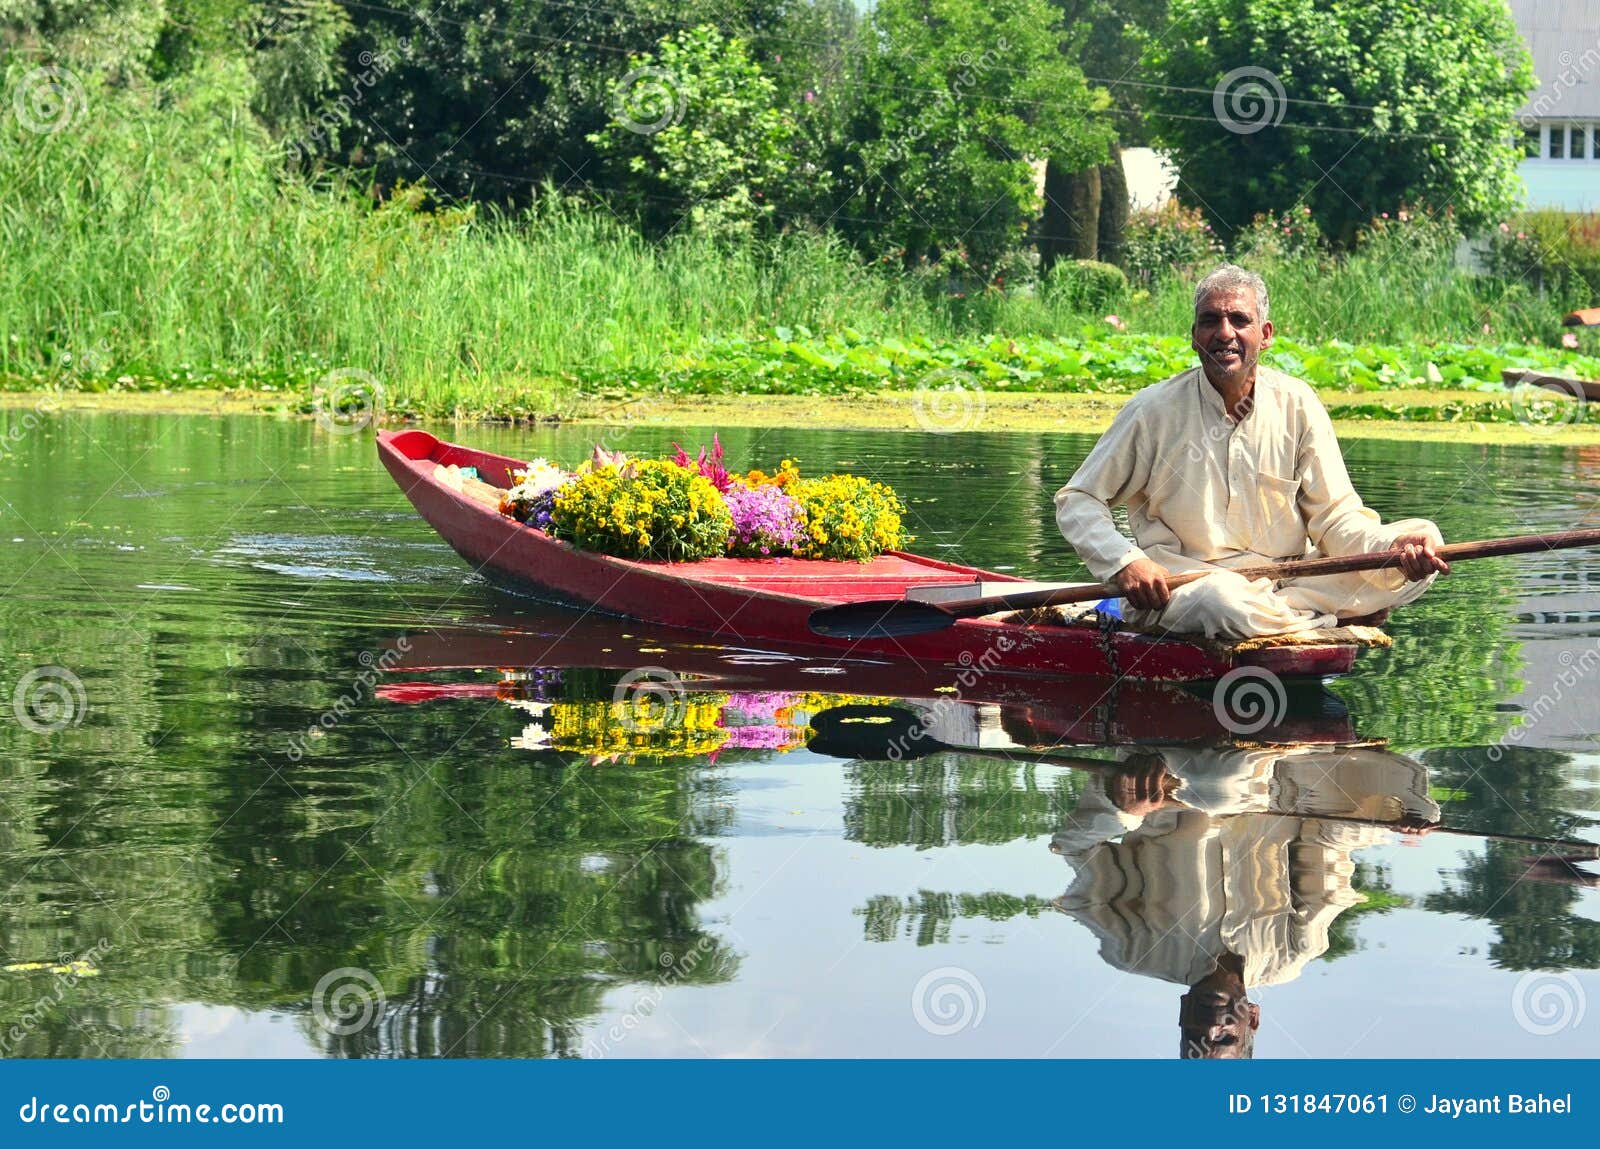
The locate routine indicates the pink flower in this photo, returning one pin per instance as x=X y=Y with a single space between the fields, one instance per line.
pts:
x=1486 y=329
x=1569 y=341
x=1116 y=321
x=1505 y=227
x=1405 y=217
x=1520 y=235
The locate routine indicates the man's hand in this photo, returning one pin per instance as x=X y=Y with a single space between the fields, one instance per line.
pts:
x=1419 y=557
x=1144 y=584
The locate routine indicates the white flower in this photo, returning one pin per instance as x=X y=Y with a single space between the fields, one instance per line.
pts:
x=539 y=477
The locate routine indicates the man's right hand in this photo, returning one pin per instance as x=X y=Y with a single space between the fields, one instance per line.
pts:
x=1144 y=584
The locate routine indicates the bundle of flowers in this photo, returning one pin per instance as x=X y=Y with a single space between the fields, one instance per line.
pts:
x=765 y=521
x=847 y=517
x=691 y=507
x=532 y=498
x=642 y=509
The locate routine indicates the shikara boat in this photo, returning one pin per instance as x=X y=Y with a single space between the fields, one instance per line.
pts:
x=769 y=601
x=1586 y=389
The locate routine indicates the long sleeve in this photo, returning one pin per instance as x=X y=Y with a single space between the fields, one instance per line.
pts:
x=1114 y=469
x=1337 y=521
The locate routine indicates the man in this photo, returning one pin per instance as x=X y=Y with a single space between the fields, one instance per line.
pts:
x=1232 y=464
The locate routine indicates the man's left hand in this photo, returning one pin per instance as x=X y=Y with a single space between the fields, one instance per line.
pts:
x=1419 y=557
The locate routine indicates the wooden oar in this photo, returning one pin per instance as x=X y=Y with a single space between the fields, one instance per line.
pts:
x=879 y=733
x=894 y=617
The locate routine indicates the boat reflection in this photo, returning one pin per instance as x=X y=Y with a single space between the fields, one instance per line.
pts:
x=611 y=687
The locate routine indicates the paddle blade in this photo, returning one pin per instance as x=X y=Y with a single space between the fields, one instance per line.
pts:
x=871 y=734
x=885 y=618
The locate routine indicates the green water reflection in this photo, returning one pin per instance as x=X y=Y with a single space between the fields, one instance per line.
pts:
x=473 y=858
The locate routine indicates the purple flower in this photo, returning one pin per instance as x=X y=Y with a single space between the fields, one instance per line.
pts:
x=765 y=521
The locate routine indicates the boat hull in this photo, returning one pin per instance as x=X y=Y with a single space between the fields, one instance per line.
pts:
x=771 y=600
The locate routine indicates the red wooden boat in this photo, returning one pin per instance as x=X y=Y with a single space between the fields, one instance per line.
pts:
x=770 y=600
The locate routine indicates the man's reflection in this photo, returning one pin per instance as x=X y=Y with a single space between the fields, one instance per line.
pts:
x=1223 y=868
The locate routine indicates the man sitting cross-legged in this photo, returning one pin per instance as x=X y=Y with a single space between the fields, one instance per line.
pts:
x=1231 y=464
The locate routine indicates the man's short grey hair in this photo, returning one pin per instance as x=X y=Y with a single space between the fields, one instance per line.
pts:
x=1228 y=277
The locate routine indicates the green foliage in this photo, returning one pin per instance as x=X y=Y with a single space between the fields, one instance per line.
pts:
x=1171 y=240
x=1397 y=104
x=701 y=137
x=1095 y=358
x=1556 y=253
x=1276 y=239
x=492 y=98
x=964 y=97
x=1086 y=284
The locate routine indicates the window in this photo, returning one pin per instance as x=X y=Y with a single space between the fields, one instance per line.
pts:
x=1558 y=142
x=1580 y=142
x=1530 y=143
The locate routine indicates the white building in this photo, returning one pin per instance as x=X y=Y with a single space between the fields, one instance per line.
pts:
x=1561 y=120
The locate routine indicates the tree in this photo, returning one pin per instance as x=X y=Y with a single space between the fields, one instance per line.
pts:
x=492 y=98
x=698 y=137
x=960 y=100
x=1086 y=210
x=1348 y=106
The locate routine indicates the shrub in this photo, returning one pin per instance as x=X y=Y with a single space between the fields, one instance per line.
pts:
x=1269 y=239
x=1170 y=239
x=1085 y=284
x=1551 y=251
x=650 y=509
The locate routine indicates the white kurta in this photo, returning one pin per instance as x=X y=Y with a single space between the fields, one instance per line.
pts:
x=1204 y=489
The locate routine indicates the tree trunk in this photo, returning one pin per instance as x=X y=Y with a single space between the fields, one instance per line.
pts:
x=1113 y=207
x=1070 y=227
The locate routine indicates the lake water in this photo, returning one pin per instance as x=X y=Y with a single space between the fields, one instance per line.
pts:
x=282 y=777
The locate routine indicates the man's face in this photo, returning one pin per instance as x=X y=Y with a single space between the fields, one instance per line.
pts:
x=1228 y=336
x=1216 y=1019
